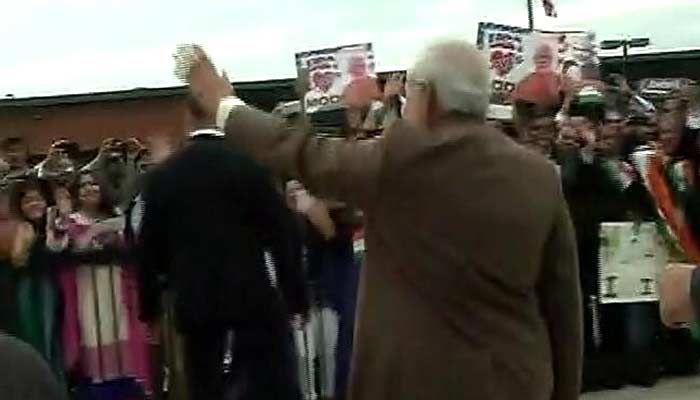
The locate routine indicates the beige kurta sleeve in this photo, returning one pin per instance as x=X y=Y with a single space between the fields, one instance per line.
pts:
x=560 y=296
x=345 y=170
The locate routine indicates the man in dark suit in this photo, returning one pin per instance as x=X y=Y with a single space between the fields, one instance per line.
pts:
x=470 y=288
x=210 y=215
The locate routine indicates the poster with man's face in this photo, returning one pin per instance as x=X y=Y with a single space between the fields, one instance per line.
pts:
x=331 y=70
x=355 y=62
x=514 y=53
x=540 y=54
x=503 y=47
x=564 y=53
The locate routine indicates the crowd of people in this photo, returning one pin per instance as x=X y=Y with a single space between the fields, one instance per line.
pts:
x=623 y=158
x=68 y=289
x=151 y=270
x=73 y=289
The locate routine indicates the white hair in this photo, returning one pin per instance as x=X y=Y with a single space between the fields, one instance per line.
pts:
x=459 y=74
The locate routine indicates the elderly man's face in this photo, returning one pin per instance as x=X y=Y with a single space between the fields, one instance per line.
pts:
x=543 y=59
x=358 y=67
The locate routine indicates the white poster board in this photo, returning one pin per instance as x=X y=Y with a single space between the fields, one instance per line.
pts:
x=511 y=52
x=631 y=258
x=331 y=70
x=503 y=46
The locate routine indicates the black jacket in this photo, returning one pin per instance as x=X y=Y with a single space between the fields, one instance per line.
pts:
x=594 y=197
x=210 y=213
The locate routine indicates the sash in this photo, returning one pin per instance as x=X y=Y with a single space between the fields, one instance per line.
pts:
x=671 y=223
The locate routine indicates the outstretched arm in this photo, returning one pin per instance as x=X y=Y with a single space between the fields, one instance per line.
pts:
x=331 y=168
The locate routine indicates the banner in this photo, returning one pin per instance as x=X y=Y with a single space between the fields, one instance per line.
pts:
x=516 y=53
x=331 y=70
x=660 y=88
x=503 y=46
x=631 y=258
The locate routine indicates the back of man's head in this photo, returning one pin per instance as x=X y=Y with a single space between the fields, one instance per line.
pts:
x=458 y=74
x=24 y=375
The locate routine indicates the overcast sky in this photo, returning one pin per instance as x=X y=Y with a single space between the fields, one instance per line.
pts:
x=75 y=46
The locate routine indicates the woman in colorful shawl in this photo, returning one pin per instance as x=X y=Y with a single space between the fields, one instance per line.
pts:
x=104 y=342
x=37 y=310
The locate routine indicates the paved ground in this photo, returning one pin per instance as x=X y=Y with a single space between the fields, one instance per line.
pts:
x=667 y=389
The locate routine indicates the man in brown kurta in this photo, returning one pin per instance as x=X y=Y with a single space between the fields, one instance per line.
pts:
x=470 y=288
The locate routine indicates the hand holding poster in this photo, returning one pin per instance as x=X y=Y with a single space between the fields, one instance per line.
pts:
x=332 y=71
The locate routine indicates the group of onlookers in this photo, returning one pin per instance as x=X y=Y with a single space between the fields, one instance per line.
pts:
x=73 y=284
x=83 y=276
x=68 y=286
x=623 y=158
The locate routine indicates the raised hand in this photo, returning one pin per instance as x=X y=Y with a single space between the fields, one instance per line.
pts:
x=207 y=87
x=361 y=92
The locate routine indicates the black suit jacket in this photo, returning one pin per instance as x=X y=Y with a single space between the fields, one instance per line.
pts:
x=210 y=213
x=594 y=197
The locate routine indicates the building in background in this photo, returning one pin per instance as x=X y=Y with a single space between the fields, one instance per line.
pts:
x=679 y=63
x=89 y=118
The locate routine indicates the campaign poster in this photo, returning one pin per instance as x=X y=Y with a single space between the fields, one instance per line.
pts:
x=331 y=70
x=518 y=54
x=661 y=88
x=632 y=255
x=551 y=62
x=504 y=49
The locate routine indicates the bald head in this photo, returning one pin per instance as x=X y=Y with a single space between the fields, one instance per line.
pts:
x=458 y=74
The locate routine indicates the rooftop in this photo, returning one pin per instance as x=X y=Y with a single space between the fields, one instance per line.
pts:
x=131 y=94
x=651 y=54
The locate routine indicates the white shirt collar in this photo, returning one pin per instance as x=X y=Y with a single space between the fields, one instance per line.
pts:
x=207 y=132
